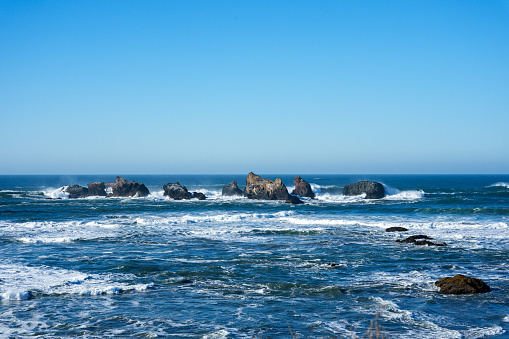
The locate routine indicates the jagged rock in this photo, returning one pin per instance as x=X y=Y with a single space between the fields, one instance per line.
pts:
x=231 y=190
x=199 y=196
x=265 y=189
x=460 y=284
x=124 y=188
x=420 y=240
x=292 y=199
x=176 y=191
x=97 y=189
x=396 y=229
x=302 y=188
x=76 y=191
x=373 y=190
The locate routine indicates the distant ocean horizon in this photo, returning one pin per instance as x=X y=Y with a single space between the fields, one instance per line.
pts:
x=231 y=267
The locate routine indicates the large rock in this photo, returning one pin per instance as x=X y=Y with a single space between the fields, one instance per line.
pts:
x=176 y=191
x=302 y=188
x=97 y=189
x=372 y=189
x=76 y=191
x=124 y=188
x=292 y=199
x=421 y=240
x=199 y=196
x=460 y=284
x=231 y=190
x=265 y=189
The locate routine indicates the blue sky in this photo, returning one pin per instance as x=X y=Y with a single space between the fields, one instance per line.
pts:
x=192 y=87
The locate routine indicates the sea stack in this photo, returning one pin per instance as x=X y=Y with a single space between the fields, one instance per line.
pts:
x=178 y=192
x=124 y=188
x=302 y=188
x=372 y=189
x=265 y=189
x=232 y=190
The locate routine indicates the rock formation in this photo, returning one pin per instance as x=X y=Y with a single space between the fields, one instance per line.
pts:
x=76 y=191
x=420 y=240
x=302 y=188
x=97 y=189
x=265 y=189
x=124 y=188
x=460 y=284
x=373 y=190
x=178 y=192
x=396 y=229
x=231 y=190
x=292 y=199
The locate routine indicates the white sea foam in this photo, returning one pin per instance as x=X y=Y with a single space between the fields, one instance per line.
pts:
x=57 y=193
x=500 y=184
x=21 y=282
x=395 y=194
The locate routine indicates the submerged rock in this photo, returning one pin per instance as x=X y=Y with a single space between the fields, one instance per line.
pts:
x=420 y=240
x=232 y=190
x=265 y=189
x=396 y=229
x=76 y=191
x=461 y=284
x=124 y=188
x=372 y=189
x=97 y=189
x=199 y=196
x=176 y=191
x=292 y=199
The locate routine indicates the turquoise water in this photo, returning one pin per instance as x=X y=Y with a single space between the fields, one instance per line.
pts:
x=238 y=268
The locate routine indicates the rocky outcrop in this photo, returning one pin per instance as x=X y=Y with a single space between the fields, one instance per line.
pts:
x=420 y=240
x=97 y=189
x=178 y=192
x=232 y=190
x=265 y=189
x=396 y=229
x=124 y=188
x=372 y=189
x=76 y=191
x=199 y=196
x=292 y=199
x=302 y=188
x=460 y=284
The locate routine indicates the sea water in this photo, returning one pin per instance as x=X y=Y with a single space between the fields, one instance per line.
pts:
x=236 y=268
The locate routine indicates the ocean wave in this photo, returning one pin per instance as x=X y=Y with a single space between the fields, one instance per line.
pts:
x=500 y=184
x=57 y=193
x=21 y=282
x=395 y=194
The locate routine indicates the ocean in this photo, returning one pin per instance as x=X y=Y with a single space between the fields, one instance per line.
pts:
x=237 y=268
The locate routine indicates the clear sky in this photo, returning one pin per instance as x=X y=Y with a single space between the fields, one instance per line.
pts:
x=197 y=87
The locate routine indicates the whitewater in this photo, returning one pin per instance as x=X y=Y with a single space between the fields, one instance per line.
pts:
x=230 y=267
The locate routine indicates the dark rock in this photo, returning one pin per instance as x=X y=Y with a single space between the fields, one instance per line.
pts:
x=414 y=238
x=77 y=191
x=292 y=199
x=302 y=188
x=420 y=240
x=373 y=190
x=97 y=189
x=124 y=188
x=460 y=284
x=231 y=190
x=396 y=229
x=199 y=196
x=176 y=191
x=265 y=189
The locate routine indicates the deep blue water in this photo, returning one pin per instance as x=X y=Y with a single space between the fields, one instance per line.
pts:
x=238 y=268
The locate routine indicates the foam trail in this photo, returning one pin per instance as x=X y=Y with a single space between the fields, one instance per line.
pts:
x=21 y=282
x=500 y=184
